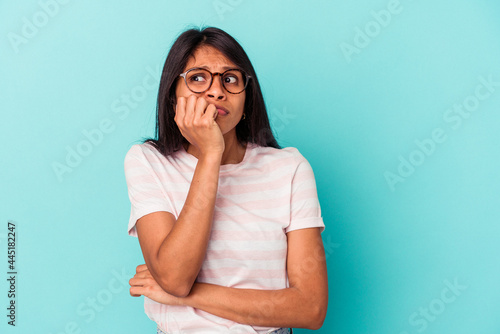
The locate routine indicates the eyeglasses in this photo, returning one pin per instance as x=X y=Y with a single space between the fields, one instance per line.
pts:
x=199 y=80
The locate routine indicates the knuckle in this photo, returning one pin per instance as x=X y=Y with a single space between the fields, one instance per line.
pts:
x=207 y=123
x=202 y=102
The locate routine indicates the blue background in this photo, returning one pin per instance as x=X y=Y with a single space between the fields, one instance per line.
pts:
x=358 y=93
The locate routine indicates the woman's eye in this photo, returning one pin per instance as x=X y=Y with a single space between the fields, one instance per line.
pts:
x=230 y=79
x=198 y=78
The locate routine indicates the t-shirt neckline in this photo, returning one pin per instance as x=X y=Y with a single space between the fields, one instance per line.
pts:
x=226 y=167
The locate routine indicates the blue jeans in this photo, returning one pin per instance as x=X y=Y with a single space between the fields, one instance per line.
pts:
x=278 y=331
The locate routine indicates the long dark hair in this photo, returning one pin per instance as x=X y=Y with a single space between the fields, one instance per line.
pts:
x=255 y=128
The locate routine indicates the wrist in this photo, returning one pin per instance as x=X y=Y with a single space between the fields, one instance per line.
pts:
x=211 y=157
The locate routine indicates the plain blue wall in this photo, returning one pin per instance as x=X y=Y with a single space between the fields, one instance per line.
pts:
x=396 y=105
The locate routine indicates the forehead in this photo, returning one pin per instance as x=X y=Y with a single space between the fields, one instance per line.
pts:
x=210 y=58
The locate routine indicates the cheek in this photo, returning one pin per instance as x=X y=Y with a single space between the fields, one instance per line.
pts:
x=181 y=89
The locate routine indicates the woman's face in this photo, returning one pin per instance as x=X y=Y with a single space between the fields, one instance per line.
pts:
x=230 y=106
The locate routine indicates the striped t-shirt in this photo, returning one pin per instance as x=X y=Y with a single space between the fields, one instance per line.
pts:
x=269 y=193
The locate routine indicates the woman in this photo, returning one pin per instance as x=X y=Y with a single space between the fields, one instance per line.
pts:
x=228 y=222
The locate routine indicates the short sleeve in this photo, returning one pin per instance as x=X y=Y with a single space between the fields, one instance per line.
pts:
x=305 y=210
x=144 y=187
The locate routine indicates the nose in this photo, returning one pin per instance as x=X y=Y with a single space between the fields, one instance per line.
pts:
x=216 y=90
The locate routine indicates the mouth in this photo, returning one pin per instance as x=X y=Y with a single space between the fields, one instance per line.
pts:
x=222 y=111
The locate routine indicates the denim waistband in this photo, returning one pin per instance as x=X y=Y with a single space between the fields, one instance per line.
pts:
x=277 y=331
x=281 y=331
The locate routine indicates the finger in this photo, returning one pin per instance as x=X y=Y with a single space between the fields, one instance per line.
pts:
x=211 y=112
x=143 y=274
x=140 y=281
x=180 y=110
x=134 y=281
x=190 y=107
x=201 y=105
x=141 y=267
x=136 y=291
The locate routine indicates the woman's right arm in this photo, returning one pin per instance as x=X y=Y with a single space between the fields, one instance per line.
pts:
x=174 y=250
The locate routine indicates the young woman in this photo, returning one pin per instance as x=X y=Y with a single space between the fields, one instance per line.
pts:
x=229 y=223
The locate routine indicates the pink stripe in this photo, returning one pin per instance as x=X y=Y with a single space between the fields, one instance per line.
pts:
x=151 y=195
x=304 y=174
x=276 y=284
x=304 y=213
x=199 y=318
x=171 y=165
x=159 y=180
x=219 y=235
x=259 y=204
x=140 y=180
x=156 y=159
x=132 y=163
x=248 y=218
x=248 y=188
x=251 y=255
x=306 y=194
x=241 y=272
x=273 y=165
x=157 y=195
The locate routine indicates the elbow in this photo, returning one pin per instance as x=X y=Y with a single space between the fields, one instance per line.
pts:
x=317 y=317
x=177 y=288
x=182 y=291
x=179 y=292
x=174 y=282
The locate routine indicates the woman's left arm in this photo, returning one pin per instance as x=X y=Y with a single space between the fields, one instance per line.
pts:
x=302 y=305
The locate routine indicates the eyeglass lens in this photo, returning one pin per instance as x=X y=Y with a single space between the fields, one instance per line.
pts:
x=199 y=80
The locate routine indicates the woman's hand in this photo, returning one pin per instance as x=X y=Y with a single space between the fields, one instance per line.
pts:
x=196 y=121
x=144 y=284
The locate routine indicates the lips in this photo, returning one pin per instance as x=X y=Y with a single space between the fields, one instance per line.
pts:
x=222 y=111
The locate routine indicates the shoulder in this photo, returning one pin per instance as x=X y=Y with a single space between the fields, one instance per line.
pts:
x=142 y=152
x=142 y=149
x=290 y=155
x=294 y=152
x=278 y=153
x=284 y=162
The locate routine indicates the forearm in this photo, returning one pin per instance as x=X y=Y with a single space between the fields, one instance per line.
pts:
x=288 y=307
x=182 y=252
